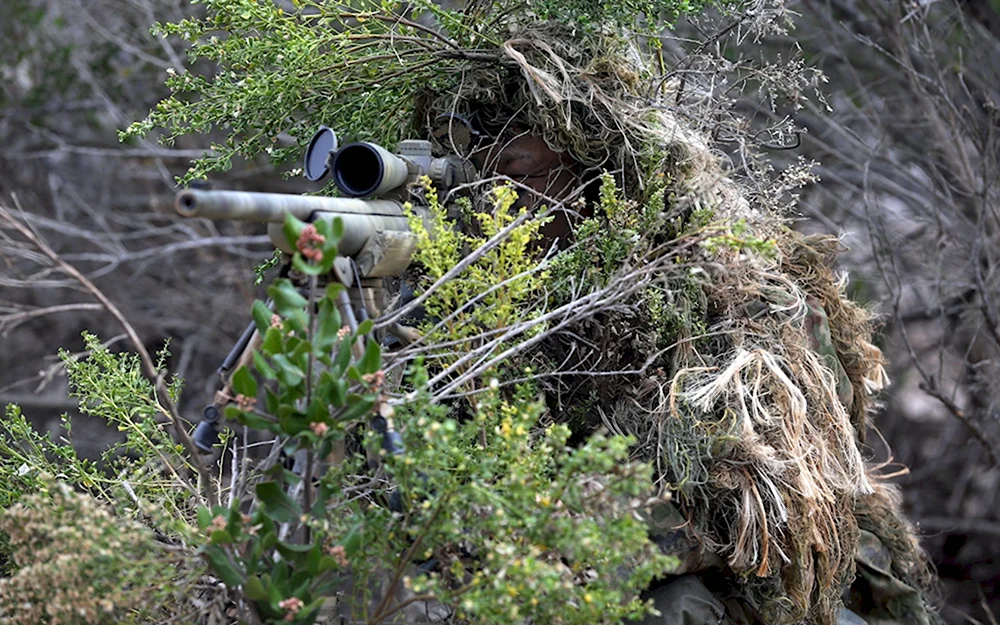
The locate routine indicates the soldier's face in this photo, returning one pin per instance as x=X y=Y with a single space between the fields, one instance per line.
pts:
x=548 y=177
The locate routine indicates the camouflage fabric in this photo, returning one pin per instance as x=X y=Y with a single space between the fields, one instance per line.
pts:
x=687 y=601
x=816 y=325
x=877 y=596
x=846 y=617
x=880 y=595
x=684 y=599
x=674 y=535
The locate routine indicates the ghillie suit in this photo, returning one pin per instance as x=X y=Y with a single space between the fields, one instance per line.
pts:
x=740 y=367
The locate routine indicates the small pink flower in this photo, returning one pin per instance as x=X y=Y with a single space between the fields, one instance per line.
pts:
x=245 y=403
x=291 y=606
x=319 y=428
x=375 y=380
x=218 y=524
x=338 y=553
x=341 y=333
x=310 y=243
x=276 y=322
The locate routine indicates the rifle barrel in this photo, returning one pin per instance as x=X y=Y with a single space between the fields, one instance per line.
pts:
x=272 y=207
x=361 y=218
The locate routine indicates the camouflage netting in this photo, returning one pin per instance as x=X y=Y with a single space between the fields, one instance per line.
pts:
x=752 y=398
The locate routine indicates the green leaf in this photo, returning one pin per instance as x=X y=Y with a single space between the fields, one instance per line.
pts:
x=292 y=229
x=326 y=563
x=281 y=573
x=323 y=494
x=333 y=290
x=272 y=341
x=352 y=542
x=323 y=227
x=338 y=228
x=305 y=267
x=308 y=614
x=300 y=353
x=255 y=421
x=270 y=538
x=317 y=410
x=287 y=549
x=327 y=326
x=260 y=364
x=270 y=401
x=338 y=392
x=261 y=316
x=343 y=355
x=221 y=537
x=359 y=408
x=312 y=560
x=294 y=553
x=255 y=590
x=365 y=327
x=292 y=421
x=287 y=298
x=233 y=518
x=222 y=566
x=244 y=382
x=288 y=372
x=372 y=359
x=279 y=505
x=204 y=517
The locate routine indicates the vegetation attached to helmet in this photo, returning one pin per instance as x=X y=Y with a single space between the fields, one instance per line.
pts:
x=360 y=69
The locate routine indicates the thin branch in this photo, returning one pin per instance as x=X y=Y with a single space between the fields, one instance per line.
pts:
x=163 y=393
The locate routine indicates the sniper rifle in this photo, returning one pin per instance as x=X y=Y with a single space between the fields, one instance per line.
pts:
x=376 y=243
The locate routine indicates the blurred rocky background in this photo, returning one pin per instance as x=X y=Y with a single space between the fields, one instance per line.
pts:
x=906 y=145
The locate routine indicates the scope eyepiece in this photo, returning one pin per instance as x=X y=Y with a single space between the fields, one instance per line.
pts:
x=364 y=169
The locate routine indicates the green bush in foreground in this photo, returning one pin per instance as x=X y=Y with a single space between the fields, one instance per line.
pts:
x=496 y=518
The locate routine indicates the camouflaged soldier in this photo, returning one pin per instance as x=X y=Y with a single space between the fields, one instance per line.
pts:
x=698 y=591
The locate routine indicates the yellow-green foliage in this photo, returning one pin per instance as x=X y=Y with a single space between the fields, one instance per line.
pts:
x=504 y=281
x=739 y=236
x=617 y=232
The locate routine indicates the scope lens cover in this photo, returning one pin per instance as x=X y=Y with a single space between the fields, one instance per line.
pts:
x=317 y=159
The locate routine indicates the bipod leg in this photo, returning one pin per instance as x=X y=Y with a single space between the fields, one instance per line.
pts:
x=206 y=434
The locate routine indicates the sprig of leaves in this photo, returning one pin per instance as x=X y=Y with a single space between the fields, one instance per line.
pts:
x=260 y=74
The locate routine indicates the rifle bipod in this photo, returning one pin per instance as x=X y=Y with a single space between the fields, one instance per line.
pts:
x=368 y=295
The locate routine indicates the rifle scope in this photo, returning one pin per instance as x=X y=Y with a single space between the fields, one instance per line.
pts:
x=359 y=169
x=367 y=170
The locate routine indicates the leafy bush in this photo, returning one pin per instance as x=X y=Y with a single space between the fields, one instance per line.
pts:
x=79 y=563
x=485 y=515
